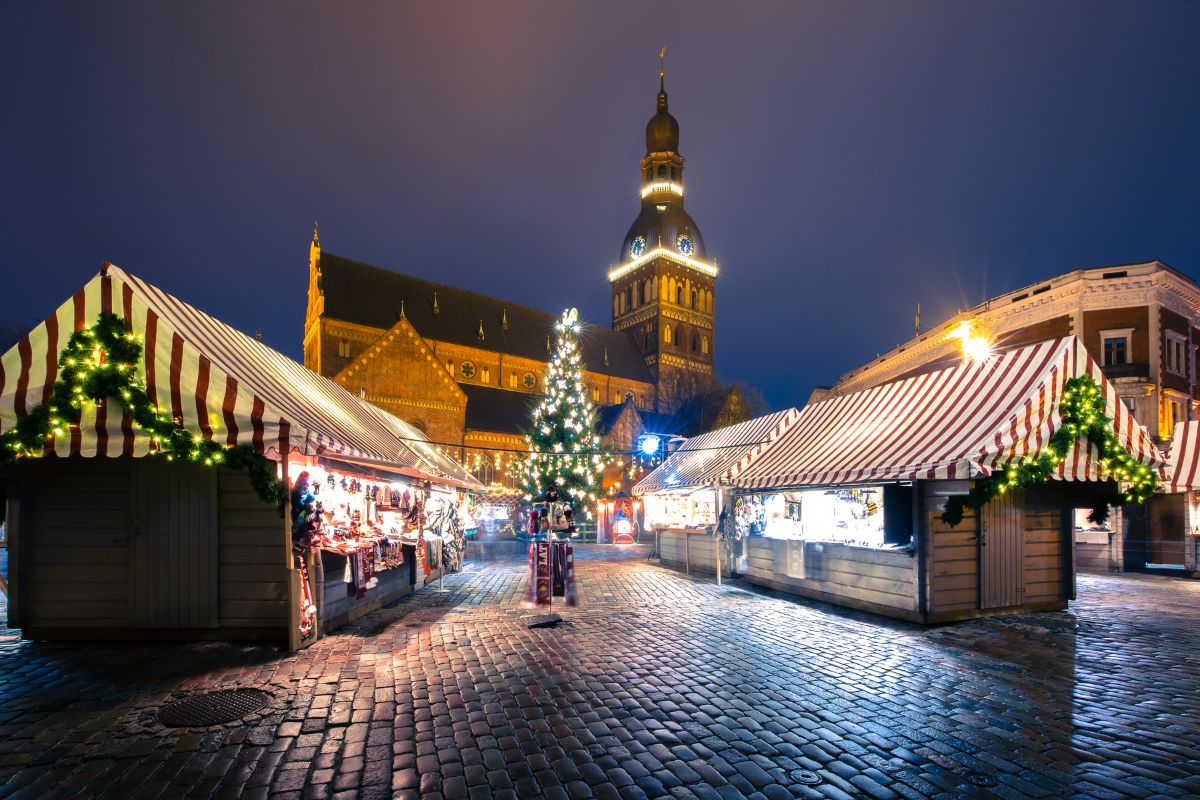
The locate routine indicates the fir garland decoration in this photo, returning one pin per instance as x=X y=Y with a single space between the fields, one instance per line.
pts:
x=101 y=362
x=1082 y=411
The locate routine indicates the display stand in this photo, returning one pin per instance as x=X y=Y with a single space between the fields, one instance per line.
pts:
x=551 y=556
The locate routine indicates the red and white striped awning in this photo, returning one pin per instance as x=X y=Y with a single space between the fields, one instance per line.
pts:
x=953 y=423
x=1183 y=474
x=708 y=459
x=212 y=379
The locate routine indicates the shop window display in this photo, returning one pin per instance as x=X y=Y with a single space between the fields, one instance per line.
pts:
x=864 y=516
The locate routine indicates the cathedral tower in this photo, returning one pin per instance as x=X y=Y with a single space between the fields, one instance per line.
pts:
x=663 y=284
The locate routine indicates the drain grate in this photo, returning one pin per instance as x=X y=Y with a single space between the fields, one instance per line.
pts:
x=212 y=708
x=980 y=779
x=806 y=777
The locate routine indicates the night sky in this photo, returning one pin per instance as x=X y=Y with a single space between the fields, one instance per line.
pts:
x=845 y=161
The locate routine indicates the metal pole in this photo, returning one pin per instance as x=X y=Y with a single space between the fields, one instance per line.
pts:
x=441 y=563
x=717 y=548
x=687 y=561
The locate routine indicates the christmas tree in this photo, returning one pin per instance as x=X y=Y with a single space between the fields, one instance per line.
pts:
x=564 y=448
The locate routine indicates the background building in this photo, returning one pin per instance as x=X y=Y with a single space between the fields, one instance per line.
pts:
x=463 y=366
x=1141 y=322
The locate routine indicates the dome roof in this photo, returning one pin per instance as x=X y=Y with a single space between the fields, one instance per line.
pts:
x=670 y=223
x=662 y=131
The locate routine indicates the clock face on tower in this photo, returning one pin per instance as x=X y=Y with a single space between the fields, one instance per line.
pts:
x=638 y=248
x=685 y=245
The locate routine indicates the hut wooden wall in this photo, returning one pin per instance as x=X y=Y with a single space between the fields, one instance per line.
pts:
x=74 y=534
x=77 y=576
x=695 y=550
x=882 y=581
x=252 y=565
x=953 y=556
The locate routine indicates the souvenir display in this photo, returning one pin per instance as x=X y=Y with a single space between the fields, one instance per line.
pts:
x=369 y=521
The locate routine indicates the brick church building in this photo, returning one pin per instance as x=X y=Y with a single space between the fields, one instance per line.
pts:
x=464 y=367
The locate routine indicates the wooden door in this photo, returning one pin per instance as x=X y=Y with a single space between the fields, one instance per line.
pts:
x=1002 y=552
x=173 y=562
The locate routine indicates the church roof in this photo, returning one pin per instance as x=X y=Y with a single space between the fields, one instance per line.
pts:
x=661 y=226
x=497 y=410
x=506 y=411
x=367 y=295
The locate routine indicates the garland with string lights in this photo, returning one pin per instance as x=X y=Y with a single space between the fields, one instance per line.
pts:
x=1082 y=412
x=101 y=362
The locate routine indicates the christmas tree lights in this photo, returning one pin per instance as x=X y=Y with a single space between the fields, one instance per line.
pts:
x=564 y=448
x=1082 y=411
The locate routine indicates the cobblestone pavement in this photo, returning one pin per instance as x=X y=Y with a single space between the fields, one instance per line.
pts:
x=658 y=685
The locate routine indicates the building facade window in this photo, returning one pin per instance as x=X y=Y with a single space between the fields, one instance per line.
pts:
x=595 y=395
x=450 y=368
x=1116 y=346
x=704 y=345
x=512 y=380
x=485 y=374
x=344 y=348
x=678 y=295
x=666 y=334
x=695 y=343
x=1175 y=355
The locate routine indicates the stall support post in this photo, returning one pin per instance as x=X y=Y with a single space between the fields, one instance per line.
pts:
x=293 y=575
x=441 y=563
x=717 y=549
x=13 y=535
x=687 y=561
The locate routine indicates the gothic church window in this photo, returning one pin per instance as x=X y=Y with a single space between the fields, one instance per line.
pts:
x=344 y=348
x=695 y=342
x=662 y=170
x=666 y=334
x=704 y=345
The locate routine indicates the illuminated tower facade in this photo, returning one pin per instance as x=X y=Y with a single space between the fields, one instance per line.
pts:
x=663 y=284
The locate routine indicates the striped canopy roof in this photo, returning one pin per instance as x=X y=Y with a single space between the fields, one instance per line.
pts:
x=215 y=381
x=952 y=423
x=1183 y=474
x=708 y=459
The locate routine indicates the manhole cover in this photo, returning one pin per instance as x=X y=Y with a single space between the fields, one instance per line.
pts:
x=806 y=777
x=212 y=708
x=979 y=779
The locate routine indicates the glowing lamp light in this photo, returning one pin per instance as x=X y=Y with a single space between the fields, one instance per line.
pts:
x=975 y=346
x=650 y=445
x=662 y=187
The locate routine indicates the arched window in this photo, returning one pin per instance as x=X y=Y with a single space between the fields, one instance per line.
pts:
x=693 y=298
x=485 y=473
x=666 y=334
x=662 y=170
x=695 y=342
x=679 y=295
x=704 y=345
x=665 y=290
x=629 y=297
x=647 y=290
x=637 y=295
x=416 y=423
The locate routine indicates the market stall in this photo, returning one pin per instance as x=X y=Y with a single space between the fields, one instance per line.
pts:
x=685 y=495
x=1174 y=522
x=946 y=495
x=151 y=454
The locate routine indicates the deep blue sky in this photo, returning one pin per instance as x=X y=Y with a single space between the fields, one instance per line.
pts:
x=845 y=161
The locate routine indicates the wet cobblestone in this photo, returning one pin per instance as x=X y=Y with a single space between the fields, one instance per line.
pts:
x=658 y=685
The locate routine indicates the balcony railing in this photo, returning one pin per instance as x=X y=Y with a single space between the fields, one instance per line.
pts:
x=1137 y=370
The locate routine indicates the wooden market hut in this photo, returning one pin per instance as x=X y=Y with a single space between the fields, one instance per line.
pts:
x=703 y=465
x=108 y=543
x=1173 y=517
x=920 y=440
